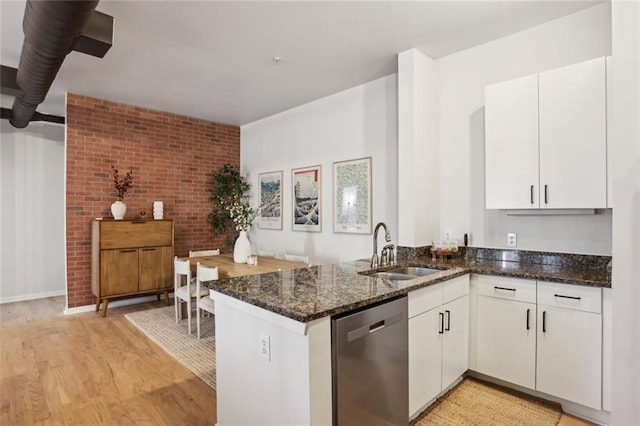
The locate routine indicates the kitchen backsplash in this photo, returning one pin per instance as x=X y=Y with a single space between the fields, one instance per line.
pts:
x=538 y=257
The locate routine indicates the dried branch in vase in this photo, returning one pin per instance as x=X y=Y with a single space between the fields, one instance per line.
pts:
x=121 y=186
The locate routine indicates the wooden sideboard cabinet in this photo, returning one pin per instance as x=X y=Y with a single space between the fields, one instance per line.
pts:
x=131 y=258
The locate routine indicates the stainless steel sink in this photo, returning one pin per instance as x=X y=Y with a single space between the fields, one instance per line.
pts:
x=393 y=276
x=416 y=271
x=404 y=273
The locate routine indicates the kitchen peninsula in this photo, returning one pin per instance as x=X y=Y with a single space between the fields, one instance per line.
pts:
x=273 y=331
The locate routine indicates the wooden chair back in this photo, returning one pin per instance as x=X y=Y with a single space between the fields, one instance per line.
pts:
x=296 y=258
x=182 y=268
x=200 y=253
x=204 y=273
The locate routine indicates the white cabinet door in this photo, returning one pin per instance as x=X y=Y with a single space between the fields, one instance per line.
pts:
x=455 y=345
x=607 y=330
x=425 y=359
x=511 y=147
x=573 y=151
x=609 y=132
x=507 y=340
x=569 y=352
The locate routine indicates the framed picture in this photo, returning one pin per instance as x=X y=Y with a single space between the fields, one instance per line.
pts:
x=352 y=196
x=307 y=203
x=270 y=200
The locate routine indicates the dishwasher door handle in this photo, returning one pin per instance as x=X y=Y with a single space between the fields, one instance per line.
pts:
x=360 y=332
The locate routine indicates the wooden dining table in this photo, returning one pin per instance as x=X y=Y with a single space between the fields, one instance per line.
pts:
x=227 y=268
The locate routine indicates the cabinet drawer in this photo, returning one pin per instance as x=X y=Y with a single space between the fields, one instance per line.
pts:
x=455 y=288
x=580 y=298
x=425 y=299
x=507 y=288
x=143 y=233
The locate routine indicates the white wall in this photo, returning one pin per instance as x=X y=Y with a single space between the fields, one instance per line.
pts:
x=626 y=215
x=31 y=212
x=355 y=123
x=462 y=78
x=418 y=159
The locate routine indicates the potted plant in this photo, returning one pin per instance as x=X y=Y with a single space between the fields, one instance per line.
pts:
x=229 y=192
x=121 y=187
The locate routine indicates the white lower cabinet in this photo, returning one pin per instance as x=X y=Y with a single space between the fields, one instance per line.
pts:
x=425 y=359
x=438 y=339
x=607 y=329
x=569 y=349
x=506 y=332
x=455 y=340
x=542 y=336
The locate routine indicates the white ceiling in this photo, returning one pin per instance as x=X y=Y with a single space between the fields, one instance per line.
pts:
x=213 y=60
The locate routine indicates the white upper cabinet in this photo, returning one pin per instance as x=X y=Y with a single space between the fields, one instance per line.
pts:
x=573 y=136
x=545 y=141
x=609 y=135
x=511 y=124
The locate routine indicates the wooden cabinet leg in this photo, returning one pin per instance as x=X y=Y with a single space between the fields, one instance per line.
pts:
x=97 y=303
x=166 y=297
x=104 y=310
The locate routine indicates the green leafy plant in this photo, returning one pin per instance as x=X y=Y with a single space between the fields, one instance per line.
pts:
x=229 y=193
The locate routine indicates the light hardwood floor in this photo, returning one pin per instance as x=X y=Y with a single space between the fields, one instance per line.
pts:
x=84 y=369
x=87 y=370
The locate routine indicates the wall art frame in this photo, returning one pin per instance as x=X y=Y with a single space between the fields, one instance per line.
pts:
x=306 y=205
x=352 y=196
x=270 y=184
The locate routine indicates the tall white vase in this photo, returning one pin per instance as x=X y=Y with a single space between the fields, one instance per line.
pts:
x=118 y=209
x=242 y=248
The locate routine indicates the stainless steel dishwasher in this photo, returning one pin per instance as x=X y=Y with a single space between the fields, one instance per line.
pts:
x=370 y=365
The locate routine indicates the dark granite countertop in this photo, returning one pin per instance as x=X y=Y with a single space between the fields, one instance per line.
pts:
x=310 y=293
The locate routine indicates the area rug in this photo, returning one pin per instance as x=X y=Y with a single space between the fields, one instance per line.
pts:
x=477 y=403
x=198 y=355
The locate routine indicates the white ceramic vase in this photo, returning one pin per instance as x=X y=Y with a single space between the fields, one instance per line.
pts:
x=242 y=248
x=118 y=209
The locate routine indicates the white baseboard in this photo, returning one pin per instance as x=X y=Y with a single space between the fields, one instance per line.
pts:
x=113 y=304
x=34 y=296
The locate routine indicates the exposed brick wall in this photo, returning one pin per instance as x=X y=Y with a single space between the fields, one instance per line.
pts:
x=172 y=158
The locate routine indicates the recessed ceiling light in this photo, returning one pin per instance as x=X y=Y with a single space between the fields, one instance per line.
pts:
x=277 y=60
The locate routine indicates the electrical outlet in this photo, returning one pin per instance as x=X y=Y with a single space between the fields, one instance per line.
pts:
x=264 y=346
x=447 y=235
x=512 y=240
